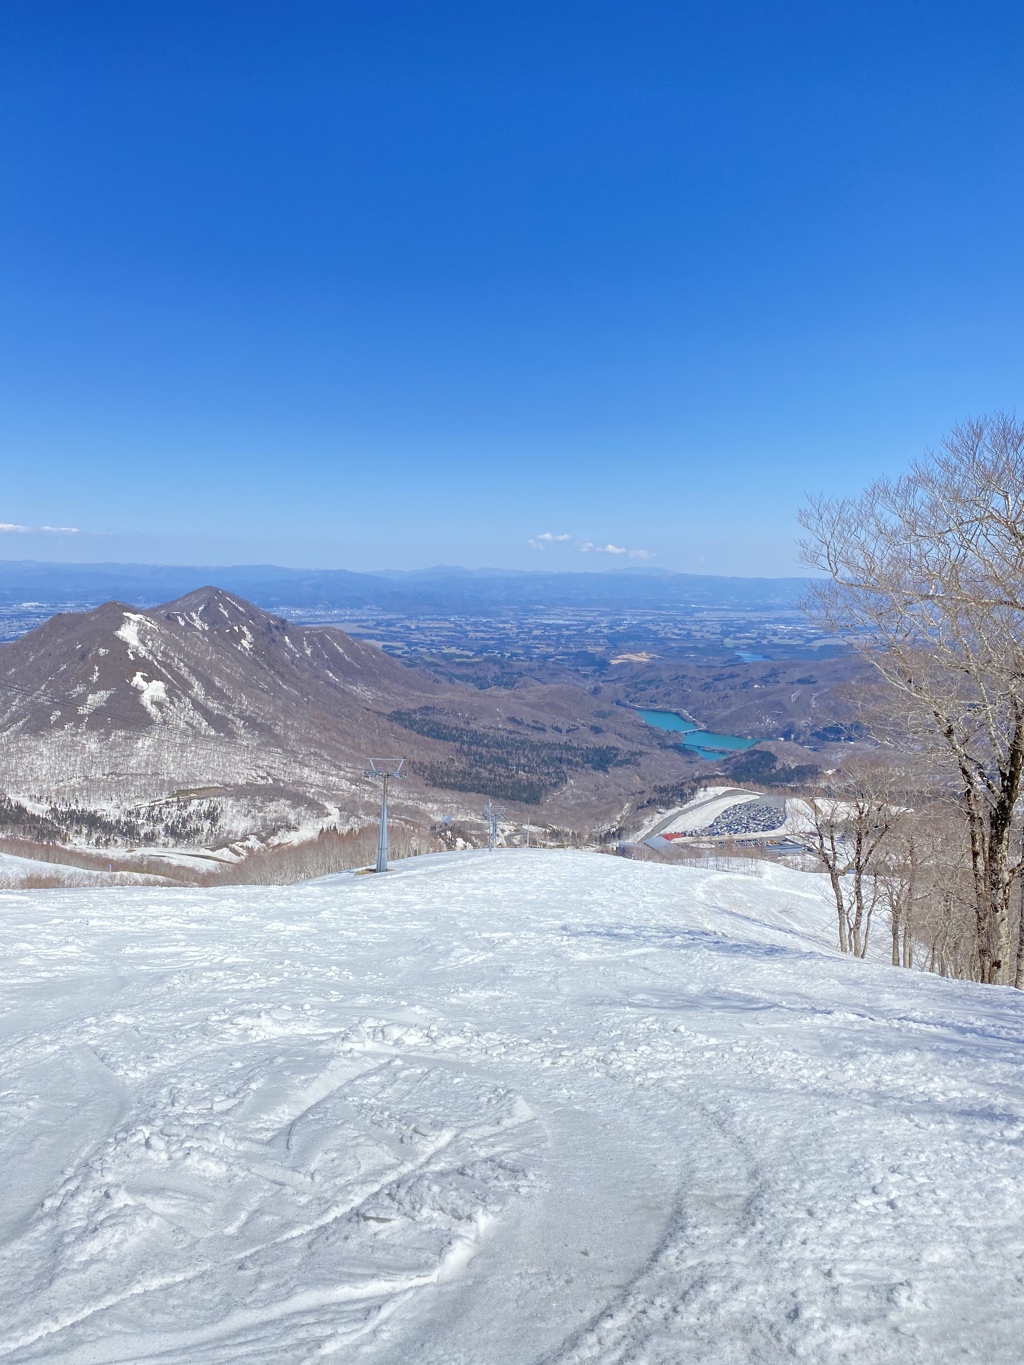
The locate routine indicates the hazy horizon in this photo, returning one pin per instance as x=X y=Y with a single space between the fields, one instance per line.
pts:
x=497 y=570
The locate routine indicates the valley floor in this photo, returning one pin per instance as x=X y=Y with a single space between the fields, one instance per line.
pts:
x=498 y=1109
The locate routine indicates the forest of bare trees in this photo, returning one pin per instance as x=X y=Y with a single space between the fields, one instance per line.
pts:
x=925 y=579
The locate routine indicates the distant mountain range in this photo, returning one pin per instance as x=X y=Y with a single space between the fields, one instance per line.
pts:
x=439 y=589
x=209 y=699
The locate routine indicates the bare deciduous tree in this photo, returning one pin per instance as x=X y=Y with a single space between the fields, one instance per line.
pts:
x=851 y=816
x=926 y=580
x=920 y=879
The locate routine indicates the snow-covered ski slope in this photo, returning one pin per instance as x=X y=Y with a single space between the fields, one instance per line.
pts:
x=499 y=1109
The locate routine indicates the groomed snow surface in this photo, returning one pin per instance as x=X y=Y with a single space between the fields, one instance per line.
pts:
x=499 y=1109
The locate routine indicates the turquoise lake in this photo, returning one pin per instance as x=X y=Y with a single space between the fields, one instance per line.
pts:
x=704 y=743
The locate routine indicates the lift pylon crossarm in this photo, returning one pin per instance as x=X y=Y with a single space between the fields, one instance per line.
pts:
x=492 y=815
x=388 y=767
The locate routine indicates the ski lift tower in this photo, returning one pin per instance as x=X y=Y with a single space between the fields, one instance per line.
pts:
x=385 y=773
x=492 y=815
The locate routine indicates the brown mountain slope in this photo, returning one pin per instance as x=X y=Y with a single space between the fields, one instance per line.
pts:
x=209 y=694
x=208 y=664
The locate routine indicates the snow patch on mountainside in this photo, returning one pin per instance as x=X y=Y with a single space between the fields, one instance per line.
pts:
x=94 y=700
x=152 y=692
x=128 y=631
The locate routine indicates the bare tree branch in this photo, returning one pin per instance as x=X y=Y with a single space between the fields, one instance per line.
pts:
x=925 y=578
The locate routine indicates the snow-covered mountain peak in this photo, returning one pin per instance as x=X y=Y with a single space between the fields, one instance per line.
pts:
x=213 y=609
x=122 y=704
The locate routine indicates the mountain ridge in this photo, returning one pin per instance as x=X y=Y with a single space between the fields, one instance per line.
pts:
x=124 y=705
x=439 y=589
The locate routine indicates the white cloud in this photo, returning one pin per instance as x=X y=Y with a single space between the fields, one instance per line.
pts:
x=11 y=528
x=587 y=547
x=539 y=542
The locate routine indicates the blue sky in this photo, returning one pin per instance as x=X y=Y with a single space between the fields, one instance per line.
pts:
x=402 y=282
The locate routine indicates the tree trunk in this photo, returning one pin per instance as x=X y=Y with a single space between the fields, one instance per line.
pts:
x=868 y=917
x=994 y=888
x=1018 y=974
x=837 y=891
x=991 y=822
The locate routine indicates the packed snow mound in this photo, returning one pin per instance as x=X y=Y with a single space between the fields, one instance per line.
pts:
x=16 y=871
x=499 y=1109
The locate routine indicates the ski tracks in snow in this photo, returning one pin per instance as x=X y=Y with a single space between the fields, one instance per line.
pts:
x=286 y=1218
x=540 y=1109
